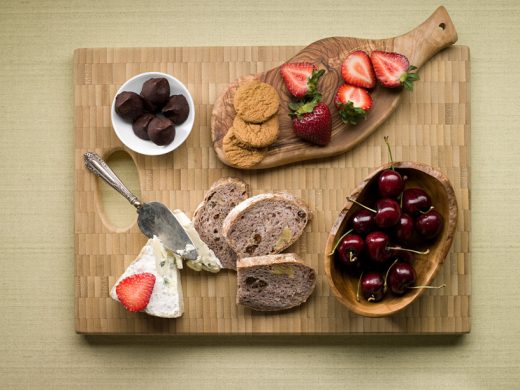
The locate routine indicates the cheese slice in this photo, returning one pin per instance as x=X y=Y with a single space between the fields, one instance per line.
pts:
x=166 y=299
x=206 y=259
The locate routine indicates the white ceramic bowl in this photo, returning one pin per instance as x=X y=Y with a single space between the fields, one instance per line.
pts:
x=124 y=130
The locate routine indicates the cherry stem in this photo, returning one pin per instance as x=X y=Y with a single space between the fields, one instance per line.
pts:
x=389 y=153
x=395 y=248
x=361 y=204
x=427 y=211
x=385 y=286
x=433 y=287
x=339 y=240
x=350 y=258
x=359 y=287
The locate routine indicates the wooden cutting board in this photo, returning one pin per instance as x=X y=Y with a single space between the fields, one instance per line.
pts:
x=418 y=45
x=431 y=124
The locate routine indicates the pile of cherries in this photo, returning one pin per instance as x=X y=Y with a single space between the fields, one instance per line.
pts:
x=374 y=248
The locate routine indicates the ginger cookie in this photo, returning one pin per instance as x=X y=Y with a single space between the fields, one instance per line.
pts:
x=237 y=154
x=257 y=135
x=255 y=101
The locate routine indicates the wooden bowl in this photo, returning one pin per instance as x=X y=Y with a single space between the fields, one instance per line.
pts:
x=344 y=285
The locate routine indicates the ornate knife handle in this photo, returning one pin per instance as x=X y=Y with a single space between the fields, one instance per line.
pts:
x=99 y=167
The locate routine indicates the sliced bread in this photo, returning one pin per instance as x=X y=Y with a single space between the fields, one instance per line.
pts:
x=274 y=282
x=265 y=224
x=218 y=201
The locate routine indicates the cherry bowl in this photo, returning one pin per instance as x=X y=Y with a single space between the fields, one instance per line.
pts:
x=344 y=285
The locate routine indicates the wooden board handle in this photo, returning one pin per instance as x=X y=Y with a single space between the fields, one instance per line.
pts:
x=434 y=34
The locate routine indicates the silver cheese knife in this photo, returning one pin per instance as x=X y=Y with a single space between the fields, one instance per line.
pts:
x=154 y=218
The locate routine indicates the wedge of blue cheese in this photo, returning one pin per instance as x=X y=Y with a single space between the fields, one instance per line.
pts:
x=167 y=299
x=206 y=260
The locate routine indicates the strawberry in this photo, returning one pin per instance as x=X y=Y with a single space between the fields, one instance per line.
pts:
x=301 y=78
x=312 y=121
x=393 y=69
x=357 y=70
x=352 y=103
x=134 y=291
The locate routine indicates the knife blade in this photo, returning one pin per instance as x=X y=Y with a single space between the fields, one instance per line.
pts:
x=154 y=218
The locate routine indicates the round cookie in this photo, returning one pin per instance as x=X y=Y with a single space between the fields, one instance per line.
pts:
x=238 y=155
x=257 y=135
x=255 y=101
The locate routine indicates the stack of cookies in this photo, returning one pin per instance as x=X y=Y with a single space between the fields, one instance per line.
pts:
x=255 y=126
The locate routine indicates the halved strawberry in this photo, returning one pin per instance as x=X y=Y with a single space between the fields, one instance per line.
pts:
x=357 y=70
x=301 y=78
x=312 y=121
x=352 y=103
x=393 y=69
x=134 y=291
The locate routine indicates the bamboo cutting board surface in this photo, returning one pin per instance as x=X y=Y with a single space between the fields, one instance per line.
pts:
x=431 y=125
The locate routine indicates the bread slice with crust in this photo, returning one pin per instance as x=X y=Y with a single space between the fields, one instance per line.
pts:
x=274 y=282
x=265 y=224
x=209 y=215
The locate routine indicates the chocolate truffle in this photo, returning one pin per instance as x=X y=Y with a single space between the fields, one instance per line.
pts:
x=177 y=109
x=156 y=92
x=129 y=106
x=140 y=126
x=161 y=131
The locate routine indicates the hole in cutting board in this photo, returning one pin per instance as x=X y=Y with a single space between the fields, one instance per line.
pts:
x=116 y=210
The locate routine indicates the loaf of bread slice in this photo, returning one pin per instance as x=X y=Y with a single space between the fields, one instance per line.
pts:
x=223 y=195
x=265 y=224
x=274 y=282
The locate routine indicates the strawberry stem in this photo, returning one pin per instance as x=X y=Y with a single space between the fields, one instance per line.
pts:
x=312 y=84
x=351 y=115
x=407 y=78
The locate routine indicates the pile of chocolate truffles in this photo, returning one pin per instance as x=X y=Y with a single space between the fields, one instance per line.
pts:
x=154 y=113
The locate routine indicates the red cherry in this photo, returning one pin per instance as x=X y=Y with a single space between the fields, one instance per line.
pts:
x=390 y=184
x=416 y=200
x=379 y=250
x=388 y=213
x=429 y=225
x=400 y=277
x=404 y=229
x=363 y=221
x=376 y=243
x=372 y=286
x=350 y=248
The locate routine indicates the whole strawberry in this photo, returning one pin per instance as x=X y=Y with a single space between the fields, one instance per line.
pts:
x=312 y=121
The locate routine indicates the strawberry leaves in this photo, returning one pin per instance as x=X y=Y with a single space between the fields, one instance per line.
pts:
x=408 y=78
x=351 y=115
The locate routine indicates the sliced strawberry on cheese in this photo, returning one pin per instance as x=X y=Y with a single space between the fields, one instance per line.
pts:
x=357 y=70
x=134 y=292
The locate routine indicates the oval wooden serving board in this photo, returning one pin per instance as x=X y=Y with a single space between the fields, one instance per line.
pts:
x=419 y=45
